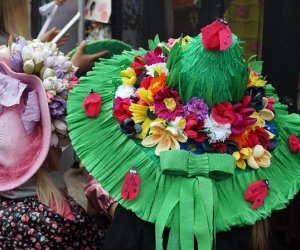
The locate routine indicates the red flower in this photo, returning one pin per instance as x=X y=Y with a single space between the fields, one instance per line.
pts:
x=121 y=109
x=155 y=56
x=259 y=137
x=92 y=104
x=145 y=83
x=223 y=113
x=138 y=65
x=193 y=128
x=294 y=143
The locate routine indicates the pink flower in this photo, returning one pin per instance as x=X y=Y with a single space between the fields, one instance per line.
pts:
x=73 y=81
x=167 y=104
x=155 y=56
x=242 y=116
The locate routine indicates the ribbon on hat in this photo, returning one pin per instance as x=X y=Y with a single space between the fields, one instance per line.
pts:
x=190 y=203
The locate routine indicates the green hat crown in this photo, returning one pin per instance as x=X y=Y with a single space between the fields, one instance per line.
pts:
x=214 y=75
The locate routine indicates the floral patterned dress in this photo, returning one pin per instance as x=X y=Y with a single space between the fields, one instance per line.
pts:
x=28 y=224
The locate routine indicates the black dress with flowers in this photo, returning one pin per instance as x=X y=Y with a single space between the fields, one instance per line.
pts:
x=28 y=224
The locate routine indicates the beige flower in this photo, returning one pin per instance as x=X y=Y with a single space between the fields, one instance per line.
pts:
x=259 y=158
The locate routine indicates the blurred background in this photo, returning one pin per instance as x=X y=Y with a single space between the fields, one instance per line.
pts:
x=270 y=30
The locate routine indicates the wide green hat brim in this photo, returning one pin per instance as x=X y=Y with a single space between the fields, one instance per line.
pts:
x=115 y=47
x=108 y=155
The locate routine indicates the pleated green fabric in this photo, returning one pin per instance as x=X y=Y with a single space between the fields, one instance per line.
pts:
x=198 y=200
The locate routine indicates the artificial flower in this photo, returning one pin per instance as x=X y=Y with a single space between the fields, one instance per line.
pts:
x=196 y=106
x=146 y=81
x=179 y=123
x=157 y=83
x=242 y=138
x=184 y=41
x=72 y=81
x=294 y=143
x=164 y=137
x=260 y=157
x=217 y=132
x=138 y=64
x=242 y=119
x=130 y=128
x=57 y=107
x=155 y=56
x=194 y=128
x=192 y=146
x=223 y=113
x=242 y=155
x=144 y=115
x=254 y=80
x=145 y=96
x=128 y=76
x=121 y=109
x=157 y=69
x=256 y=97
x=16 y=62
x=167 y=104
x=124 y=91
x=259 y=136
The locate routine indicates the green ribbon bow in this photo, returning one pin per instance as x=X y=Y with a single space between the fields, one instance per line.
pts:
x=190 y=203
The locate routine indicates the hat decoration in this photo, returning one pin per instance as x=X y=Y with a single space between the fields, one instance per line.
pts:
x=199 y=126
x=57 y=74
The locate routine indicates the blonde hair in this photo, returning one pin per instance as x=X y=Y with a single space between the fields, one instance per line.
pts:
x=48 y=193
x=261 y=235
x=14 y=18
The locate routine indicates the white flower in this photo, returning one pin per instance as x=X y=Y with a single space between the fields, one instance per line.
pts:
x=54 y=140
x=47 y=84
x=125 y=91
x=157 y=69
x=179 y=123
x=27 y=53
x=217 y=132
x=46 y=72
x=49 y=61
x=60 y=84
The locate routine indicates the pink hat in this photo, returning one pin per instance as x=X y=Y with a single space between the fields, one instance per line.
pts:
x=25 y=127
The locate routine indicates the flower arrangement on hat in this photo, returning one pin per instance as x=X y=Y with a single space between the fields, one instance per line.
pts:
x=149 y=110
x=57 y=74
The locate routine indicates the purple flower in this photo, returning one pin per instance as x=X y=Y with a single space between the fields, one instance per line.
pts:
x=21 y=41
x=59 y=72
x=57 y=107
x=196 y=106
x=16 y=62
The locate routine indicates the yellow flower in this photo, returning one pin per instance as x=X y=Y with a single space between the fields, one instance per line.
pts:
x=143 y=114
x=145 y=95
x=254 y=80
x=259 y=158
x=164 y=137
x=241 y=156
x=128 y=76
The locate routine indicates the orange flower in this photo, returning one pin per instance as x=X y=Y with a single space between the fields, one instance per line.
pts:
x=241 y=139
x=157 y=83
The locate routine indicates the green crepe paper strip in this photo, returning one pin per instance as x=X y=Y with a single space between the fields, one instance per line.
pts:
x=216 y=76
x=108 y=155
x=191 y=199
x=115 y=47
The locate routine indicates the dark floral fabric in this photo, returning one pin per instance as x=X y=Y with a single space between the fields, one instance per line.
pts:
x=28 y=224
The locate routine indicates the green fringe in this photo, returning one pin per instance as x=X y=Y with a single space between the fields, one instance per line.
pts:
x=215 y=76
x=108 y=155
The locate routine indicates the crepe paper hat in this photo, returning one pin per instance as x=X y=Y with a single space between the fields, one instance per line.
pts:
x=25 y=129
x=224 y=143
x=115 y=47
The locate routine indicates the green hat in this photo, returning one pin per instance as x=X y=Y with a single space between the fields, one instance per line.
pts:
x=115 y=47
x=189 y=136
